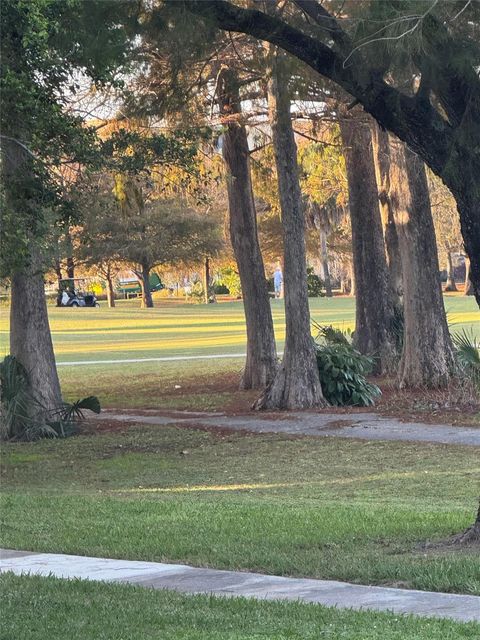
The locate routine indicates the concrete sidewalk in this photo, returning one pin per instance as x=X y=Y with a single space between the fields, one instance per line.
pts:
x=366 y=426
x=250 y=585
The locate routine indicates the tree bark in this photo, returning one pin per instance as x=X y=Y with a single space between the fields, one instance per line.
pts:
x=261 y=361
x=468 y=288
x=297 y=383
x=428 y=357
x=70 y=268
x=324 y=264
x=374 y=306
x=30 y=337
x=381 y=154
x=450 y=284
x=144 y=279
x=110 y=290
x=206 y=280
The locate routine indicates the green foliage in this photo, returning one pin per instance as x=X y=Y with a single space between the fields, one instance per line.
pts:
x=314 y=284
x=343 y=369
x=342 y=372
x=332 y=335
x=468 y=354
x=23 y=417
x=41 y=64
x=229 y=278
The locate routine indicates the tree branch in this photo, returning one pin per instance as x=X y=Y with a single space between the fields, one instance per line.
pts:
x=420 y=126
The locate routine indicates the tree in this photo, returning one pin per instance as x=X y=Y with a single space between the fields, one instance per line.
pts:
x=261 y=362
x=149 y=233
x=427 y=359
x=39 y=74
x=373 y=292
x=297 y=383
x=441 y=122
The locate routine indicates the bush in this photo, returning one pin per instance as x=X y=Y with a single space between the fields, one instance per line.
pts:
x=468 y=355
x=230 y=279
x=22 y=415
x=343 y=369
x=332 y=335
x=314 y=284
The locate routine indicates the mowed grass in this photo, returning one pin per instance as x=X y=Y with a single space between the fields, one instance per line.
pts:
x=173 y=329
x=36 y=608
x=326 y=508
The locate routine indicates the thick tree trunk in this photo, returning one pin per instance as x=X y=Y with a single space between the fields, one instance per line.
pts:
x=381 y=154
x=374 y=306
x=297 y=383
x=30 y=338
x=324 y=264
x=144 y=279
x=110 y=290
x=450 y=284
x=468 y=288
x=428 y=358
x=261 y=361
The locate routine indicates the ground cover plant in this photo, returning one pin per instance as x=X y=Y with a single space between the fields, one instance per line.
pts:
x=35 y=608
x=326 y=507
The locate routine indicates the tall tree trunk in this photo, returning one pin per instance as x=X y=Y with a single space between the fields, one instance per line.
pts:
x=206 y=280
x=450 y=284
x=30 y=337
x=468 y=288
x=261 y=361
x=324 y=264
x=110 y=290
x=381 y=154
x=297 y=383
x=427 y=358
x=374 y=306
x=70 y=259
x=144 y=280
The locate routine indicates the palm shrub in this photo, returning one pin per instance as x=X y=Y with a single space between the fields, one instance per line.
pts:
x=23 y=417
x=467 y=348
x=343 y=370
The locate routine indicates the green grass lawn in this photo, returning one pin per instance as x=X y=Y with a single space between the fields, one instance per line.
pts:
x=173 y=329
x=36 y=608
x=325 y=508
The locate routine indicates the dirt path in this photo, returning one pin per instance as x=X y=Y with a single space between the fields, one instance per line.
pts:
x=366 y=426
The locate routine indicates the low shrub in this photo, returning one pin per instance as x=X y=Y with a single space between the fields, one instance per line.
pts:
x=314 y=284
x=22 y=415
x=343 y=372
x=467 y=349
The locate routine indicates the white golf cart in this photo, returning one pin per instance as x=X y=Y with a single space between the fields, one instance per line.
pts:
x=76 y=292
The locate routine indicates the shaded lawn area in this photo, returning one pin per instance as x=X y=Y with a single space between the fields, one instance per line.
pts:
x=199 y=385
x=36 y=608
x=326 y=508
